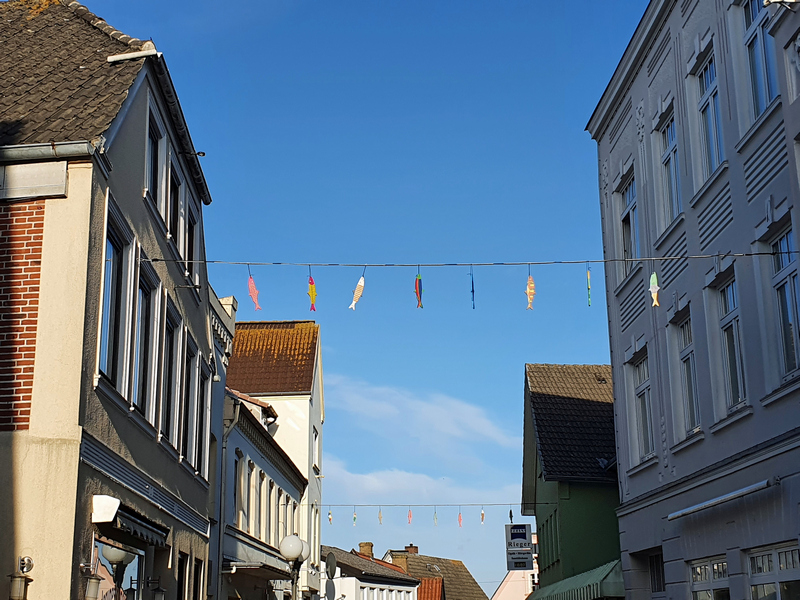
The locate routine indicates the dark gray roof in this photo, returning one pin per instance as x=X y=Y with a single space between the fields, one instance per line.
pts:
x=356 y=566
x=57 y=85
x=573 y=417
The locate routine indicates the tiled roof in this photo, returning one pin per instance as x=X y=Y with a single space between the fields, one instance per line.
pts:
x=356 y=565
x=273 y=357
x=430 y=588
x=57 y=84
x=458 y=582
x=573 y=416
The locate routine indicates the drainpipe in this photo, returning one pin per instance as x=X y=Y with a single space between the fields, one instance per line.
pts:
x=223 y=479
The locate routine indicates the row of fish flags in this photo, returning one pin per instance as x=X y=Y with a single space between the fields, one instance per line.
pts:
x=410 y=516
x=358 y=292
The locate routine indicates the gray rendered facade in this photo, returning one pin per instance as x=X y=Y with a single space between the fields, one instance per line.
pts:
x=695 y=158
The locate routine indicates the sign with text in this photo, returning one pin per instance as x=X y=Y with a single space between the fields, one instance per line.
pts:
x=519 y=547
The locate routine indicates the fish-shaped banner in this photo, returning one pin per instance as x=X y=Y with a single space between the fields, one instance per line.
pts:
x=312 y=293
x=380 y=517
x=460 y=519
x=530 y=292
x=654 y=288
x=410 y=516
x=589 y=284
x=253 y=292
x=483 y=516
x=330 y=517
x=418 y=290
x=357 y=293
x=355 y=517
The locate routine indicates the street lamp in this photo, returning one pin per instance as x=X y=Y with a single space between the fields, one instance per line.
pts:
x=296 y=551
x=119 y=559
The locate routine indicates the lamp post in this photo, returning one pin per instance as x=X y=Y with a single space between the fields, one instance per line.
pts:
x=296 y=551
x=119 y=559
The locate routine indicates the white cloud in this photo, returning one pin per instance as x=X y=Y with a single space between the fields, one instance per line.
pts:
x=442 y=427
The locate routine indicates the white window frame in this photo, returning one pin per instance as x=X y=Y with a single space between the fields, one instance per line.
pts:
x=670 y=170
x=713 y=152
x=315 y=441
x=688 y=375
x=629 y=226
x=644 y=409
x=760 y=56
x=709 y=579
x=173 y=320
x=188 y=397
x=787 y=295
x=148 y=278
x=770 y=567
x=728 y=297
x=155 y=124
x=202 y=424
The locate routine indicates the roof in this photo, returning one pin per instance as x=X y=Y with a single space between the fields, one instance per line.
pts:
x=57 y=84
x=603 y=582
x=458 y=582
x=430 y=588
x=358 y=565
x=573 y=417
x=273 y=357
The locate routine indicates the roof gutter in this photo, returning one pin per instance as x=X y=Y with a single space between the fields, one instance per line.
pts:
x=132 y=55
x=27 y=152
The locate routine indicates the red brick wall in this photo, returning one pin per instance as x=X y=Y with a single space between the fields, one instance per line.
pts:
x=21 y=230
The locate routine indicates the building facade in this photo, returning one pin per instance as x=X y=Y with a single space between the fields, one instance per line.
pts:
x=280 y=363
x=106 y=357
x=697 y=156
x=359 y=575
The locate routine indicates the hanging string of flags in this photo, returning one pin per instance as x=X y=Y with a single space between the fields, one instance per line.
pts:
x=530 y=288
x=410 y=514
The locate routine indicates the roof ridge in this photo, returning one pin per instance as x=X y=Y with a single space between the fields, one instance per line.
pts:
x=84 y=13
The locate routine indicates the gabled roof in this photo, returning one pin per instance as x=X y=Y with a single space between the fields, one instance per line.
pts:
x=57 y=84
x=357 y=565
x=457 y=581
x=273 y=357
x=573 y=416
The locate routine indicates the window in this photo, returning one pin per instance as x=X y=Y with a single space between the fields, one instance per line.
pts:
x=188 y=397
x=688 y=376
x=170 y=380
x=155 y=158
x=656 y=564
x=710 y=579
x=111 y=333
x=316 y=447
x=248 y=497
x=201 y=434
x=144 y=335
x=257 y=483
x=644 y=417
x=775 y=573
x=272 y=515
x=760 y=55
x=731 y=345
x=784 y=281
x=669 y=162
x=630 y=227
x=183 y=560
x=710 y=117
x=197 y=581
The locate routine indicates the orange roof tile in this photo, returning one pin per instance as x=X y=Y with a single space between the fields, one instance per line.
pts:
x=273 y=357
x=430 y=588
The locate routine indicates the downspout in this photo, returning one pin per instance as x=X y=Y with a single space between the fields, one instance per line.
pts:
x=223 y=478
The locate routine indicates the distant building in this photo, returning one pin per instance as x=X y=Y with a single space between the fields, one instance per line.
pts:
x=361 y=576
x=106 y=358
x=280 y=363
x=518 y=585
x=569 y=480
x=440 y=578
x=697 y=136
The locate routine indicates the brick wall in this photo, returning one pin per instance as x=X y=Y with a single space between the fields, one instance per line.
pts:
x=21 y=230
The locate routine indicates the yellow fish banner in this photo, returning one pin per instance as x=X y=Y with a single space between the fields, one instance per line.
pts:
x=530 y=292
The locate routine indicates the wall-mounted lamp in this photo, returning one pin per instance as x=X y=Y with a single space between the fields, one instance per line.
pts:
x=193 y=153
x=19 y=586
x=159 y=593
x=92 y=585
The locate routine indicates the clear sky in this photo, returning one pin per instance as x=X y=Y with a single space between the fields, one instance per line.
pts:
x=372 y=131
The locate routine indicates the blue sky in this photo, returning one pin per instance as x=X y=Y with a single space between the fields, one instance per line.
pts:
x=417 y=132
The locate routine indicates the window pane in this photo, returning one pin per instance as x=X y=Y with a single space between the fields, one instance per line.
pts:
x=186 y=402
x=786 y=315
x=645 y=436
x=756 y=60
x=722 y=594
x=790 y=590
x=763 y=592
x=702 y=595
x=689 y=378
x=718 y=130
x=141 y=358
x=720 y=570
x=686 y=334
x=200 y=435
x=112 y=311
x=174 y=206
x=732 y=364
x=152 y=150
x=167 y=393
x=770 y=65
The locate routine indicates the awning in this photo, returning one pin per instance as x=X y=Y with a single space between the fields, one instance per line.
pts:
x=139 y=527
x=602 y=582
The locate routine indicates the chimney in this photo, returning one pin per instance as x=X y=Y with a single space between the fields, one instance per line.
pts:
x=412 y=549
x=365 y=548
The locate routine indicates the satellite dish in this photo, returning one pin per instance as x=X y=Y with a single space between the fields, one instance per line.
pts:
x=330 y=565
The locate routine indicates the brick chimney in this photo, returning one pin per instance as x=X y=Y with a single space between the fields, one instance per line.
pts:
x=365 y=548
x=412 y=549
